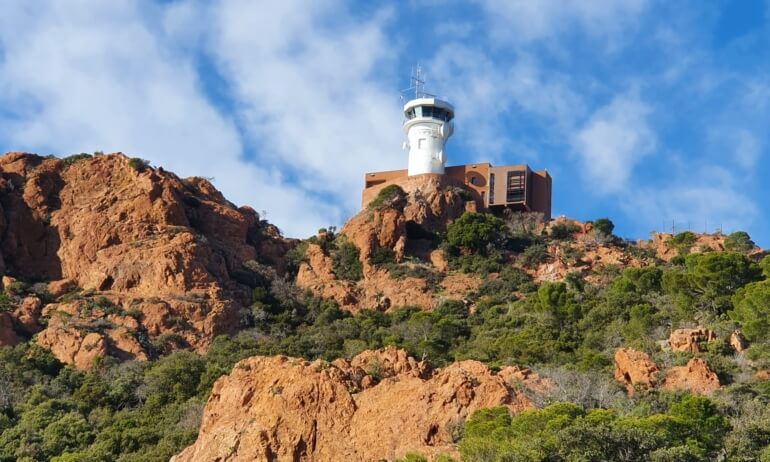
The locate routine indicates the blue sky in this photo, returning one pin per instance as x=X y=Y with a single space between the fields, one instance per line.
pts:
x=646 y=111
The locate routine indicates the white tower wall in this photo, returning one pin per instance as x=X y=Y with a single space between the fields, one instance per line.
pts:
x=428 y=125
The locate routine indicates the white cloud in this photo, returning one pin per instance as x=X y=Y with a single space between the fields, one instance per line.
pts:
x=612 y=142
x=89 y=75
x=707 y=198
x=486 y=93
x=736 y=144
x=529 y=20
x=309 y=82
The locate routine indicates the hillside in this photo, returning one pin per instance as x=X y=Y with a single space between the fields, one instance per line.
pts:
x=143 y=316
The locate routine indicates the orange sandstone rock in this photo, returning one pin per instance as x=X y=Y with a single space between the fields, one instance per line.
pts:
x=696 y=377
x=279 y=408
x=690 y=340
x=634 y=369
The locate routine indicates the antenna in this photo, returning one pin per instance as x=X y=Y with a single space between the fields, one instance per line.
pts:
x=417 y=84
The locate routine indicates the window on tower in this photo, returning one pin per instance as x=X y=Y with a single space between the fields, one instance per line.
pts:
x=515 y=191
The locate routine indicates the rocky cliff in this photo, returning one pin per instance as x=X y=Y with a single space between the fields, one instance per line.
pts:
x=121 y=255
x=380 y=405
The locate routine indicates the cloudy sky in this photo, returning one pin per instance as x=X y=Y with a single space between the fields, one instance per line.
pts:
x=653 y=113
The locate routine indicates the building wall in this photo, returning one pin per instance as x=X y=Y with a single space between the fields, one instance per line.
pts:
x=541 y=193
x=476 y=178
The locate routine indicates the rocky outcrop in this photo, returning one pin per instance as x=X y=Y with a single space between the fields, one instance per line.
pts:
x=78 y=333
x=695 y=377
x=690 y=340
x=152 y=242
x=634 y=369
x=431 y=204
x=404 y=228
x=279 y=408
x=8 y=335
x=738 y=341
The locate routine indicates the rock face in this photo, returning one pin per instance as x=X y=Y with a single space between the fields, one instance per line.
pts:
x=405 y=229
x=738 y=341
x=690 y=340
x=279 y=408
x=634 y=369
x=171 y=250
x=696 y=377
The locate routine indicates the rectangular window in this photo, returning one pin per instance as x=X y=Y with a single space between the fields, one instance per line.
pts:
x=515 y=191
x=421 y=143
x=491 y=188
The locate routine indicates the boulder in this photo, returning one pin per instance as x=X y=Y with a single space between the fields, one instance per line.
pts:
x=279 y=408
x=738 y=341
x=690 y=340
x=634 y=369
x=27 y=315
x=8 y=335
x=695 y=377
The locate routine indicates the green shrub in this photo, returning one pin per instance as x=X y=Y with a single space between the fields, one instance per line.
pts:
x=682 y=242
x=382 y=256
x=476 y=232
x=391 y=196
x=604 y=225
x=69 y=160
x=564 y=230
x=534 y=255
x=138 y=164
x=739 y=241
x=346 y=263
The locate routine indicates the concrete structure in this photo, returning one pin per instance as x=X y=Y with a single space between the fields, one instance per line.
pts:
x=515 y=187
x=428 y=123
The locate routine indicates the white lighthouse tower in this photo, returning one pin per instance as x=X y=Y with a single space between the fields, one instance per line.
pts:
x=428 y=125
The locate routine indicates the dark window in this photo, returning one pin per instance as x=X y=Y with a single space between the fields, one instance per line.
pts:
x=515 y=191
x=491 y=188
x=473 y=180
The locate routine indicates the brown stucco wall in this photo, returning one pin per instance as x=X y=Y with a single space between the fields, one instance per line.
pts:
x=541 y=193
x=475 y=178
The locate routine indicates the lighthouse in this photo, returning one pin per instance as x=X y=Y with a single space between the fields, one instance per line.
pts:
x=428 y=123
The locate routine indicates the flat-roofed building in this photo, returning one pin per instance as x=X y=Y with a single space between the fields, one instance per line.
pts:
x=428 y=124
x=516 y=187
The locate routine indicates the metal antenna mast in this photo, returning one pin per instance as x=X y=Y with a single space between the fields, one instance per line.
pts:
x=417 y=84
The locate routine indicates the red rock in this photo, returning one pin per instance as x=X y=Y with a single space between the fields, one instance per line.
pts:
x=690 y=340
x=279 y=408
x=60 y=287
x=695 y=377
x=634 y=369
x=28 y=314
x=738 y=341
x=135 y=236
x=7 y=333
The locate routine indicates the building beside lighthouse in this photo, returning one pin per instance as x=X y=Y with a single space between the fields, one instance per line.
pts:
x=428 y=124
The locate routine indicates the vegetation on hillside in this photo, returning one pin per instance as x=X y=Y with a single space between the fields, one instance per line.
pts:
x=568 y=330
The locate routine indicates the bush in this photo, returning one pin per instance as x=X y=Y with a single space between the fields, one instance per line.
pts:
x=476 y=232
x=739 y=241
x=382 y=256
x=752 y=310
x=534 y=255
x=346 y=263
x=682 y=242
x=604 y=225
x=69 y=160
x=391 y=196
x=138 y=164
x=564 y=230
